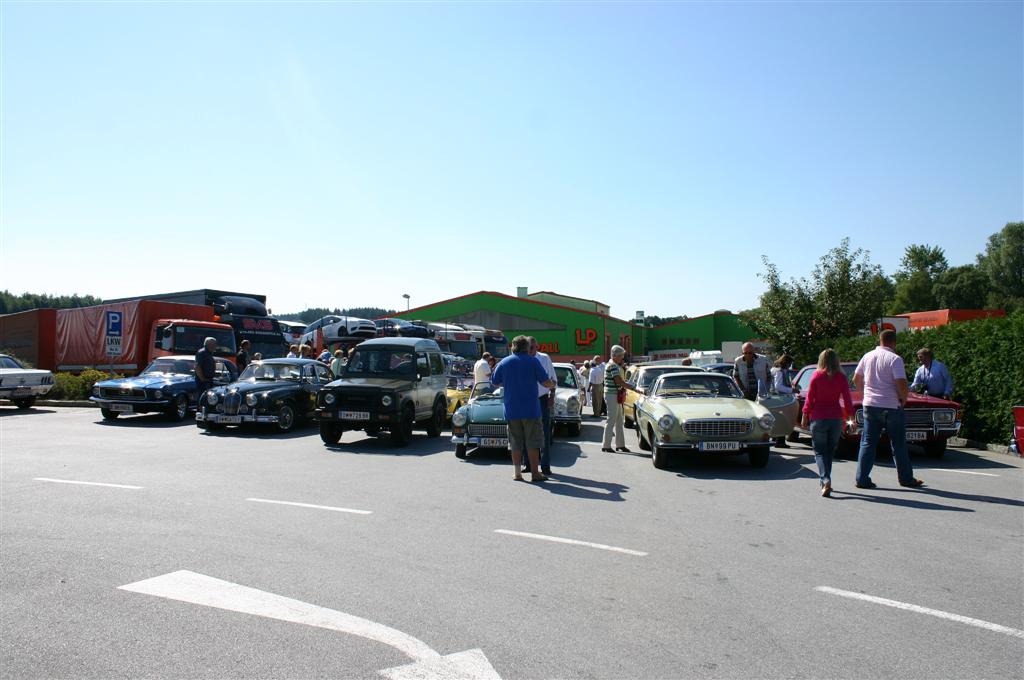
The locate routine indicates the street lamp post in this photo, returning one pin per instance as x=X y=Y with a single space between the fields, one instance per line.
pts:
x=406 y=296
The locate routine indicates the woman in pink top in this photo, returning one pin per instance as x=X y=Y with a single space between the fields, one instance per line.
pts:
x=827 y=405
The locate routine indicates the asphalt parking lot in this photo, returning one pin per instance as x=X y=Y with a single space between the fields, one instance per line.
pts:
x=247 y=554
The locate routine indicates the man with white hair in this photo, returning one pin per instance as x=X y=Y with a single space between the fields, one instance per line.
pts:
x=596 y=379
x=752 y=372
x=205 y=365
x=614 y=381
x=546 y=397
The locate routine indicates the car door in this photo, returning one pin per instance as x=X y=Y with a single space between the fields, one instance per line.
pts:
x=423 y=386
x=438 y=377
x=310 y=385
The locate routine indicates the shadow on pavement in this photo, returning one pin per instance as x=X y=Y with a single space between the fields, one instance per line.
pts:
x=840 y=495
x=260 y=431
x=697 y=466
x=148 y=420
x=955 y=495
x=579 y=487
x=14 y=411
x=420 y=446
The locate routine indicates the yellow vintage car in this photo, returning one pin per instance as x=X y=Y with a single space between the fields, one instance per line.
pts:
x=458 y=393
x=642 y=376
x=702 y=412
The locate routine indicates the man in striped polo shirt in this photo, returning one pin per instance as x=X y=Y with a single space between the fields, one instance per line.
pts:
x=614 y=380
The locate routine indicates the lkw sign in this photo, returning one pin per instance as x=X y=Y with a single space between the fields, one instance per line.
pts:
x=113 y=333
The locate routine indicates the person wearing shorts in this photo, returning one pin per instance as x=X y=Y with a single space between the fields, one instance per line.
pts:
x=519 y=375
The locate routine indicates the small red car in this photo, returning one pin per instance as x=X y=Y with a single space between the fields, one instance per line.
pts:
x=930 y=421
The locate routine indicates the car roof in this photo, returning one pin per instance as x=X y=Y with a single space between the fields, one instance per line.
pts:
x=689 y=374
x=289 y=362
x=415 y=344
x=178 y=357
x=563 y=364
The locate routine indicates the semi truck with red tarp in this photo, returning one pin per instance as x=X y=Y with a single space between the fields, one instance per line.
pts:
x=75 y=339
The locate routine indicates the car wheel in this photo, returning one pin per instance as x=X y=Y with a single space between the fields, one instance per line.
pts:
x=460 y=450
x=935 y=449
x=659 y=456
x=178 y=410
x=24 y=403
x=108 y=414
x=330 y=433
x=759 y=456
x=401 y=434
x=644 y=445
x=286 y=418
x=436 y=422
x=574 y=429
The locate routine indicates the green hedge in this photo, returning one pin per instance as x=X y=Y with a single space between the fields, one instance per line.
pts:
x=986 y=360
x=72 y=387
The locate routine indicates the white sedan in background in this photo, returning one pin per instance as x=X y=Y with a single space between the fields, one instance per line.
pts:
x=22 y=385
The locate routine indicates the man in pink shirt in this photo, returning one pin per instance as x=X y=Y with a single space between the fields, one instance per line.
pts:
x=882 y=378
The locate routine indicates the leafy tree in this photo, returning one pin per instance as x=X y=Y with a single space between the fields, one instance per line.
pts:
x=965 y=287
x=915 y=281
x=652 y=321
x=10 y=303
x=310 y=315
x=1003 y=261
x=843 y=295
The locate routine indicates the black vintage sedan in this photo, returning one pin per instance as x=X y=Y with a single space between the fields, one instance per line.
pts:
x=280 y=392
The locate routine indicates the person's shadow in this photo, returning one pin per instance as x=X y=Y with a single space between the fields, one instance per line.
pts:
x=839 y=495
x=579 y=487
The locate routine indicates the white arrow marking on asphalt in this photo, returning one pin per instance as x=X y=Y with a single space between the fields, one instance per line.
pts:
x=72 y=481
x=310 y=505
x=188 y=586
x=923 y=610
x=961 y=472
x=570 y=541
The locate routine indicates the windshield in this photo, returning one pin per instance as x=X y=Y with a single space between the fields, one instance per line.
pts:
x=464 y=348
x=190 y=339
x=261 y=370
x=268 y=350
x=649 y=375
x=805 y=379
x=8 y=362
x=172 y=366
x=398 y=362
x=485 y=390
x=497 y=348
x=566 y=377
x=706 y=385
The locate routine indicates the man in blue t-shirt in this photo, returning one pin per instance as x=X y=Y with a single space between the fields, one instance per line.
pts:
x=520 y=375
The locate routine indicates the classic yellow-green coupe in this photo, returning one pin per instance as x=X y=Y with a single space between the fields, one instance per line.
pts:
x=702 y=412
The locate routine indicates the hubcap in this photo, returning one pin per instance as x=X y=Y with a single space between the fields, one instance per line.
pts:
x=284 y=420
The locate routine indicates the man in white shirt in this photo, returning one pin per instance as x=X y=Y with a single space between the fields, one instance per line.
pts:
x=596 y=379
x=547 y=403
x=482 y=369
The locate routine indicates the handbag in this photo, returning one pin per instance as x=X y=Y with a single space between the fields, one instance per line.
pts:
x=620 y=395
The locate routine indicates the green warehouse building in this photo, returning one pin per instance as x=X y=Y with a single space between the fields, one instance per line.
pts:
x=569 y=327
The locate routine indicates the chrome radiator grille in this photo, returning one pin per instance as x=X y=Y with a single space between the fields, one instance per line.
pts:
x=717 y=427
x=231 y=403
x=488 y=430
x=919 y=417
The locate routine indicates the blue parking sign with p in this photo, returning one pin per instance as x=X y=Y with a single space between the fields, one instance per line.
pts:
x=114 y=324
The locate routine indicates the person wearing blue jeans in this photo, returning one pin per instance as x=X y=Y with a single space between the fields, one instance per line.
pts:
x=545 y=452
x=894 y=422
x=825 y=439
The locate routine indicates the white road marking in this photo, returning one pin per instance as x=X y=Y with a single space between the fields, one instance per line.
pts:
x=310 y=505
x=188 y=586
x=995 y=627
x=961 y=472
x=571 y=541
x=72 y=481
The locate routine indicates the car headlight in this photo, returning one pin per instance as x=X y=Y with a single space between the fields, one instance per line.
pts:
x=211 y=398
x=459 y=419
x=572 y=405
x=943 y=416
x=95 y=391
x=329 y=398
x=386 y=400
x=666 y=422
x=157 y=394
x=767 y=421
x=251 y=399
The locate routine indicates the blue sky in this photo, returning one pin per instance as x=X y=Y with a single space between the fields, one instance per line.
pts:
x=643 y=154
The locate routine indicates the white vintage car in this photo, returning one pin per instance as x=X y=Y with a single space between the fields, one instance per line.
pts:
x=22 y=385
x=336 y=328
x=568 y=398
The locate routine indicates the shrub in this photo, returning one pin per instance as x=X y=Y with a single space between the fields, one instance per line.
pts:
x=983 y=357
x=76 y=387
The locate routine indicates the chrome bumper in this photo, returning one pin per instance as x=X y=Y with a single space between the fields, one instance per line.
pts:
x=695 y=446
x=568 y=418
x=131 y=402
x=216 y=418
x=24 y=391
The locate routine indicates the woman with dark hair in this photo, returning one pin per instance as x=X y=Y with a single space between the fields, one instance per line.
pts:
x=827 y=405
x=782 y=383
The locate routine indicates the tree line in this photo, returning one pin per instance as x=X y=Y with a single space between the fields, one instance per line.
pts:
x=846 y=292
x=10 y=303
x=310 y=315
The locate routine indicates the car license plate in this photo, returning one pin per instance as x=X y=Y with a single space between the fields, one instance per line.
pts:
x=494 y=443
x=719 y=446
x=122 y=408
x=916 y=436
x=22 y=392
x=230 y=420
x=354 y=415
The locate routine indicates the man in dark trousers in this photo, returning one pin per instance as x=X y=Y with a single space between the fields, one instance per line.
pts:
x=242 y=358
x=205 y=365
x=520 y=375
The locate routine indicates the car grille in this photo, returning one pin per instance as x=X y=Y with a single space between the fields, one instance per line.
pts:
x=231 y=403
x=476 y=430
x=920 y=417
x=119 y=393
x=717 y=427
x=356 y=402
